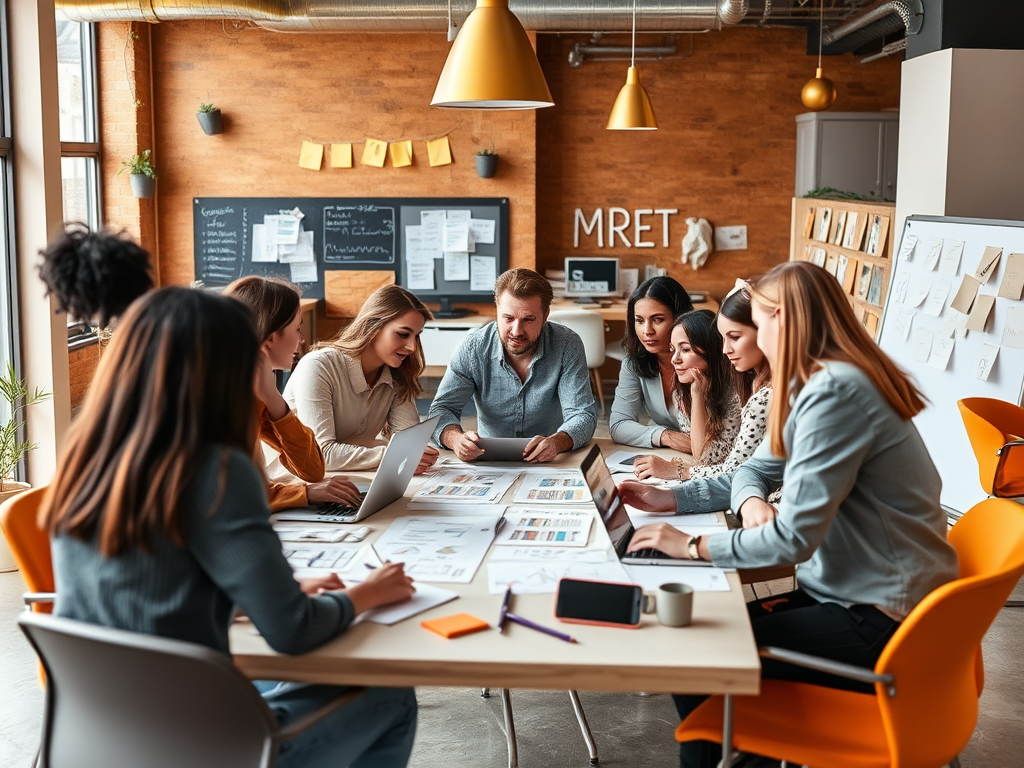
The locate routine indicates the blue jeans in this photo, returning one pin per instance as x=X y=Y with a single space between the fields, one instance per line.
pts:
x=375 y=730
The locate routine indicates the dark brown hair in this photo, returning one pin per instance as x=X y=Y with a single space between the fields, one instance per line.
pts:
x=524 y=284
x=702 y=334
x=175 y=382
x=666 y=291
x=272 y=301
x=736 y=307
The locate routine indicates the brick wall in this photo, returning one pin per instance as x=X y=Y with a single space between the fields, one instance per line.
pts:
x=82 y=364
x=725 y=149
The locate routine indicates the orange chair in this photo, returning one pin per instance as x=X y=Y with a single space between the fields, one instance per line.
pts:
x=30 y=545
x=925 y=704
x=994 y=428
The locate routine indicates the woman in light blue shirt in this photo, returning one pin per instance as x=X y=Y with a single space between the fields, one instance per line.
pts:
x=643 y=413
x=860 y=517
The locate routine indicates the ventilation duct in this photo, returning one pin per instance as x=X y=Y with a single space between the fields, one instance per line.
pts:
x=418 y=15
x=888 y=17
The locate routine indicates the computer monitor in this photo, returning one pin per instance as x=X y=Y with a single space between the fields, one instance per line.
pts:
x=588 y=278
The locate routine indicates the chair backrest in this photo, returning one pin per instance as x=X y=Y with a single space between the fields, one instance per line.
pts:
x=118 y=699
x=933 y=654
x=589 y=326
x=30 y=544
x=990 y=424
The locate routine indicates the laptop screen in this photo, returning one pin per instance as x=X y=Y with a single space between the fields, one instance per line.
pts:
x=606 y=497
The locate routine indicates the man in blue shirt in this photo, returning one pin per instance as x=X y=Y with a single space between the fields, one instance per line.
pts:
x=527 y=377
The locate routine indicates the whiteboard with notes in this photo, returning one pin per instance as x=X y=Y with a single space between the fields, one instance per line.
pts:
x=954 y=320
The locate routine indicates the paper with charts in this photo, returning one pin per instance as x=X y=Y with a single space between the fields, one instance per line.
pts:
x=446 y=549
x=552 y=487
x=470 y=486
x=546 y=527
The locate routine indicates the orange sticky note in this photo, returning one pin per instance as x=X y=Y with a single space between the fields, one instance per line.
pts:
x=341 y=155
x=311 y=156
x=374 y=153
x=456 y=625
x=401 y=154
x=439 y=152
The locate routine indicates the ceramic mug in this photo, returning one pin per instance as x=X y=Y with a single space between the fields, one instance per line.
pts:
x=673 y=603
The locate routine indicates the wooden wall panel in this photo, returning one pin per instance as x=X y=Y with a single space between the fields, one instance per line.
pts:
x=725 y=149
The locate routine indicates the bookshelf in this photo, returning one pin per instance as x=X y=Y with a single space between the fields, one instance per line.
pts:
x=853 y=240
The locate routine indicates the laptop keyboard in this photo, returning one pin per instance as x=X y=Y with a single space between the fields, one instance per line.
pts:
x=337 y=509
x=650 y=554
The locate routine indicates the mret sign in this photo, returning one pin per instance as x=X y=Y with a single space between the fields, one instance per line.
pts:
x=619 y=222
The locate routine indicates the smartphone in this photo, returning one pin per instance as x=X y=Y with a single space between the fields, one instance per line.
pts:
x=598 y=602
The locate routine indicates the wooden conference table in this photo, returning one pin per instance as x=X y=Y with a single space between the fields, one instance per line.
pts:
x=715 y=654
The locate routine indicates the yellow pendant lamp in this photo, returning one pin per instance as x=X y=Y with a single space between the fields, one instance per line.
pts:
x=819 y=93
x=632 y=110
x=492 y=65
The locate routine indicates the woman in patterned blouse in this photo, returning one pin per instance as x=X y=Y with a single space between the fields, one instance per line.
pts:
x=706 y=404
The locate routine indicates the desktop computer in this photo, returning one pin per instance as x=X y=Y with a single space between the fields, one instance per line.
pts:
x=587 y=278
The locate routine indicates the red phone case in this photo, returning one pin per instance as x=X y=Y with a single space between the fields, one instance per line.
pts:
x=568 y=620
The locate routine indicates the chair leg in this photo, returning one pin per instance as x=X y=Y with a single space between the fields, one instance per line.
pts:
x=955 y=762
x=510 y=728
x=595 y=377
x=581 y=718
x=1014 y=604
x=485 y=693
x=728 y=756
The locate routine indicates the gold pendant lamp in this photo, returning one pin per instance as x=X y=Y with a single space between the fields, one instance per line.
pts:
x=819 y=93
x=492 y=65
x=632 y=110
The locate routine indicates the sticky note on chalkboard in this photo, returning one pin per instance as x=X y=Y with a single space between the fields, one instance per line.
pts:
x=311 y=156
x=346 y=290
x=374 y=152
x=439 y=152
x=401 y=154
x=341 y=155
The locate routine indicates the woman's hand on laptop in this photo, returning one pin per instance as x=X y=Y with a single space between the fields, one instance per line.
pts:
x=383 y=586
x=662 y=537
x=430 y=455
x=647 y=498
x=333 y=489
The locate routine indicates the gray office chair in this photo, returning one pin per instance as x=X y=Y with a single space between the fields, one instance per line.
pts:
x=117 y=699
x=510 y=725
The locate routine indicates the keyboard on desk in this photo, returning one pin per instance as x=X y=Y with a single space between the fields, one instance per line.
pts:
x=650 y=554
x=334 y=509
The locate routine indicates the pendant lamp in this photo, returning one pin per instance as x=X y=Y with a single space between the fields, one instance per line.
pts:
x=492 y=65
x=632 y=110
x=819 y=93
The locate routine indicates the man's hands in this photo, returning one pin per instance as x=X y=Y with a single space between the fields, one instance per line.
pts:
x=464 y=444
x=383 y=586
x=544 y=449
x=755 y=512
x=333 y=489
x=647 y=498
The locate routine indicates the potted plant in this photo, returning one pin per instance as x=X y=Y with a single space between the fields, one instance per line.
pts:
x=486 y=163
x=15 y=393
x=143 y=175
x=210 y=118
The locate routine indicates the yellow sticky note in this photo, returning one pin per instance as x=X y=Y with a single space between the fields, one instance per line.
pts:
x=341 y=155
x=439 y=152
x=374 y=152
x=401 y=154
x=311 y=156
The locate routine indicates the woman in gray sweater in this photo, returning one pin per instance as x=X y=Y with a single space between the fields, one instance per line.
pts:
x=860 y=517
x=160 y=523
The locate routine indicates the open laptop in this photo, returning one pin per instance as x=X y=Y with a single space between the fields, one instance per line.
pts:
x=396 y=469
x=616 y=520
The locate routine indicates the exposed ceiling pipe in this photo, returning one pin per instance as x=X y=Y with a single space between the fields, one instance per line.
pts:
x=418 y=15
x=910 y=13
x=887 y=50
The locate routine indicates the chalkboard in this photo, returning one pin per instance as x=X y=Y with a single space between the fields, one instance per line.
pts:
x=345 y=234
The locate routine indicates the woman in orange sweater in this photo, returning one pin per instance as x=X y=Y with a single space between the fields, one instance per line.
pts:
x=275 y=309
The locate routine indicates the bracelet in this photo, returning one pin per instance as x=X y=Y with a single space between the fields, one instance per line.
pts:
x=679 y=469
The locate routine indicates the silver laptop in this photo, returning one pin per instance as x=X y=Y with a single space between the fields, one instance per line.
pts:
x=503 y=448
x=396 y=469
x=616 y=520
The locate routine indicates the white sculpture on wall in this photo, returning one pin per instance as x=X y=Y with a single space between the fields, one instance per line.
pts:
x=697 y=242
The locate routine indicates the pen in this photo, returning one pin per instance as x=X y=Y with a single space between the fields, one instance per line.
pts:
x=499 y=525
x=504 y=608
x=540 y=628
x=313 y=559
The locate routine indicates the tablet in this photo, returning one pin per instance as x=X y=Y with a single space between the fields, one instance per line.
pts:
x=503 y=448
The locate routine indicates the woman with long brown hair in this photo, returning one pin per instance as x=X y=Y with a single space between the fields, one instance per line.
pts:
x=160 y=525
x=364 y=383
x=860 y=517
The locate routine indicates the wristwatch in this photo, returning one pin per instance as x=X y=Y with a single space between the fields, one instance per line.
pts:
x=691 y=548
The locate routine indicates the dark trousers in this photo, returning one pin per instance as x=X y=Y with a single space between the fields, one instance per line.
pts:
x=798 y=622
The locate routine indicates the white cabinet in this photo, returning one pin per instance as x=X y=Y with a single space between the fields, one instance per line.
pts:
x=849 y=151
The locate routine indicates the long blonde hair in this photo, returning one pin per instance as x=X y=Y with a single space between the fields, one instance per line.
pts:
x=819 y=325
x=384 y=305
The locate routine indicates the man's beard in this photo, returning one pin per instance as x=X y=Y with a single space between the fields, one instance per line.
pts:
x=529 y=349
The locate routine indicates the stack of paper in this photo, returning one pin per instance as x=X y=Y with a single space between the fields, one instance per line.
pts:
x=466 y=486
x=546 y=528
x=553 y=487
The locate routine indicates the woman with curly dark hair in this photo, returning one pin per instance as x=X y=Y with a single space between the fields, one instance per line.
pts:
x=94 y=275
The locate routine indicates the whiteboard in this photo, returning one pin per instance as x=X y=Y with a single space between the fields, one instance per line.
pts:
x=940 y=424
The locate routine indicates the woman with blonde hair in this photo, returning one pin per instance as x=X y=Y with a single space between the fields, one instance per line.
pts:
x=860 y=517
x=274 y=304
x=362 y=386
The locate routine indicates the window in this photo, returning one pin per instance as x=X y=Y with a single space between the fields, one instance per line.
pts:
x=7 y=272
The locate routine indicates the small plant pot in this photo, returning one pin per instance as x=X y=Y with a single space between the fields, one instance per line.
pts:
x=143 y=185
x=212 y=122
x=10 y=488
x=486 y=166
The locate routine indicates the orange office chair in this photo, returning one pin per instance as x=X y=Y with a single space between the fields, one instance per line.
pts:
x=30 y=545
x=995 y=429
x=925 y=704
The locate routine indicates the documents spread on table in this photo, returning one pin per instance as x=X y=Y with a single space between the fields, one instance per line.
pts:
x=441 y=548
x=423 y=599
x=546 y=527
x=650 y=577
x=532 y=576
x=552 y=487
x=466 y=486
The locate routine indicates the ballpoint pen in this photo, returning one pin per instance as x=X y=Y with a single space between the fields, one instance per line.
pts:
x=504 y=608
x=539 y=627
x=313 y=559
